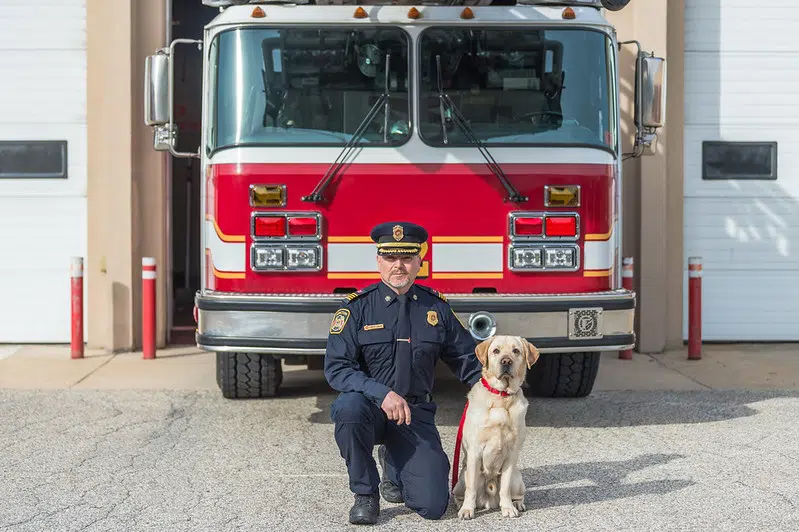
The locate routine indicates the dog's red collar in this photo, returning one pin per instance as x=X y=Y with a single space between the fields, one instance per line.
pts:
x=493 y=390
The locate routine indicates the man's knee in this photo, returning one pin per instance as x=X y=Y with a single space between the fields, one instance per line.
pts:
x=428 y=495
x=352 y=407
x=432 y=504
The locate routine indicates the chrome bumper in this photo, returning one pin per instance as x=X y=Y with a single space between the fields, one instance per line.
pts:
x=298 y=325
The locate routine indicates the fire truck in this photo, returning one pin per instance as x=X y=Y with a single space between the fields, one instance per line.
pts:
x=495 y=125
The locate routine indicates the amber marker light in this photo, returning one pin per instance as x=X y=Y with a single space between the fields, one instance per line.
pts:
x=567 y=196
x=267 y=195
x=568 y=14
x=360 y=13
x=467 y=13
x=414 y=13
x=258 y=13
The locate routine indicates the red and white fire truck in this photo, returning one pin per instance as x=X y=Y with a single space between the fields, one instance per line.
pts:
x=496 y=127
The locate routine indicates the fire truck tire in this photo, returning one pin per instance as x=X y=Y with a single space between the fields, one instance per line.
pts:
x=248 y=375
x=563 y=374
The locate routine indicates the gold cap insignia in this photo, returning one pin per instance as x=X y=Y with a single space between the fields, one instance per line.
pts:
x=399 y=234
x=432 y=317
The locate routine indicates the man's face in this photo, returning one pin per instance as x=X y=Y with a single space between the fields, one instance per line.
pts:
x=399 y=271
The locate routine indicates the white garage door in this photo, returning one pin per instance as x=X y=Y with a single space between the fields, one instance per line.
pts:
x=741 y=82
x=42 y=219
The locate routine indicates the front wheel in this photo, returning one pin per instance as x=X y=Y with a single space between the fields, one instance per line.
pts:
x=248 y=375
x=563 y=374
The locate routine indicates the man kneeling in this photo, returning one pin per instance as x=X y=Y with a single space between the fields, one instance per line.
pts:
x=381 y=354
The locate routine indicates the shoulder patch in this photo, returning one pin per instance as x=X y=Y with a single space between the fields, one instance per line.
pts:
x=339 y=321
x=363 y=291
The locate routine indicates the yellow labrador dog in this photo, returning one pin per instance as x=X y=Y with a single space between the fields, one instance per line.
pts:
x=494 y=429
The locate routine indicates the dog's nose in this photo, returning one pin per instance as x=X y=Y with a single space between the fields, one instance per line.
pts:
x=506 y=361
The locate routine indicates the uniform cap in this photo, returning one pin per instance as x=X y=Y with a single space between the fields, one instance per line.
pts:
x=399 y=238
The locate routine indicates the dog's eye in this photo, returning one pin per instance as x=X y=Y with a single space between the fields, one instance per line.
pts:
x=515 y=351
x=496 y=351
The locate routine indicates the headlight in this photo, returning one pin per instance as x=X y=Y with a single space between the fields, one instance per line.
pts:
x=561 y=258
x=286 y=257
x=542 y=257
x=527 y=258
x=268 y=258
x=302 y=258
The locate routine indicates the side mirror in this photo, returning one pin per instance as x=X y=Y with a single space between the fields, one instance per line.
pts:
x=652 y=84
x=650 y=98
x=156 y=90
x=158 y=104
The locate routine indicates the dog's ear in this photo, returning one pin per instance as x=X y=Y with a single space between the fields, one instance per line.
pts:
x=482 y=351
x=532 y=353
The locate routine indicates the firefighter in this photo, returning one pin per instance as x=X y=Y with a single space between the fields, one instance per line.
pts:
x=382 y=349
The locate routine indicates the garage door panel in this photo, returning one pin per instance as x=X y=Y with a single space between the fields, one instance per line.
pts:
x=34 y=276
x=740 y=233
x=719 y=24
x=43 y=24
x=740 y=89
x=41 y=308
x=741 y=73
x=759 y=308
x=46 y=233
x=49 y=89
x=42 y=97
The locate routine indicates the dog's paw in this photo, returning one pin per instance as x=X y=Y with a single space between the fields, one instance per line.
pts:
x=519 y=505
x=510 y=511
x=466 y=513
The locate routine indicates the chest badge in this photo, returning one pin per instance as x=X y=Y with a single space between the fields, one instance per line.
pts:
x=432 y=317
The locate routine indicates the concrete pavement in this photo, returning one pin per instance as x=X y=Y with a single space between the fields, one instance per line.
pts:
x=743 y=366
x=114 y=442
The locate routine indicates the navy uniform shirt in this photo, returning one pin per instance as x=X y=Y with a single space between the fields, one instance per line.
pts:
x=362 y=340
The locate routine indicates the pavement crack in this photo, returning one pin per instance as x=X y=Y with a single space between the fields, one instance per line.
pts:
x=770 y=492
x=95 y=370
x=661 y=364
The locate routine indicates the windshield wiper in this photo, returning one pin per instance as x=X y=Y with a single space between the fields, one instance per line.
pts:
x=457 y=117
x=317 y=194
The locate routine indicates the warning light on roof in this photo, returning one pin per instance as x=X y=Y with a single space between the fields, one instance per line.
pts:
x=568 y=13
x=258 y=13
x=414 y=13
x=467 y=13
x=360 y=13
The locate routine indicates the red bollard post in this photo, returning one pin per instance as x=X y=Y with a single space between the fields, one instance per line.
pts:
x=76 y=306
x=627 y=284
x=694 y=308
x=148 y=307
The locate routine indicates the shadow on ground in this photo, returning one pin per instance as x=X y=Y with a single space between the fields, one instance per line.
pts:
x=607 y=482
x=600 y=409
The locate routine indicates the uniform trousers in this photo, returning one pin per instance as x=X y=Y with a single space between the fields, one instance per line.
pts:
x=415 y=459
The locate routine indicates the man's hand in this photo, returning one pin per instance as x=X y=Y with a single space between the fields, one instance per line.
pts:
x=396 y=408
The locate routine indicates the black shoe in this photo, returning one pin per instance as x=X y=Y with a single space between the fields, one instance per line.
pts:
x=365 y=510
x=390 y=491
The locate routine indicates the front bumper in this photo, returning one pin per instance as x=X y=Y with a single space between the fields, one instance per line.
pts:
x=288 y=325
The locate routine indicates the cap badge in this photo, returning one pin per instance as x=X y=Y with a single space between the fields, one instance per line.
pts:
x=399 y=234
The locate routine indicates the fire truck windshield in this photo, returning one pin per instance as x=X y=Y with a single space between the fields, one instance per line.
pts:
x=301 y=86
x=520 y=86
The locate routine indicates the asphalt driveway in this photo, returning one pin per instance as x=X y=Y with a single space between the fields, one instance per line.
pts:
x=92 y=459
